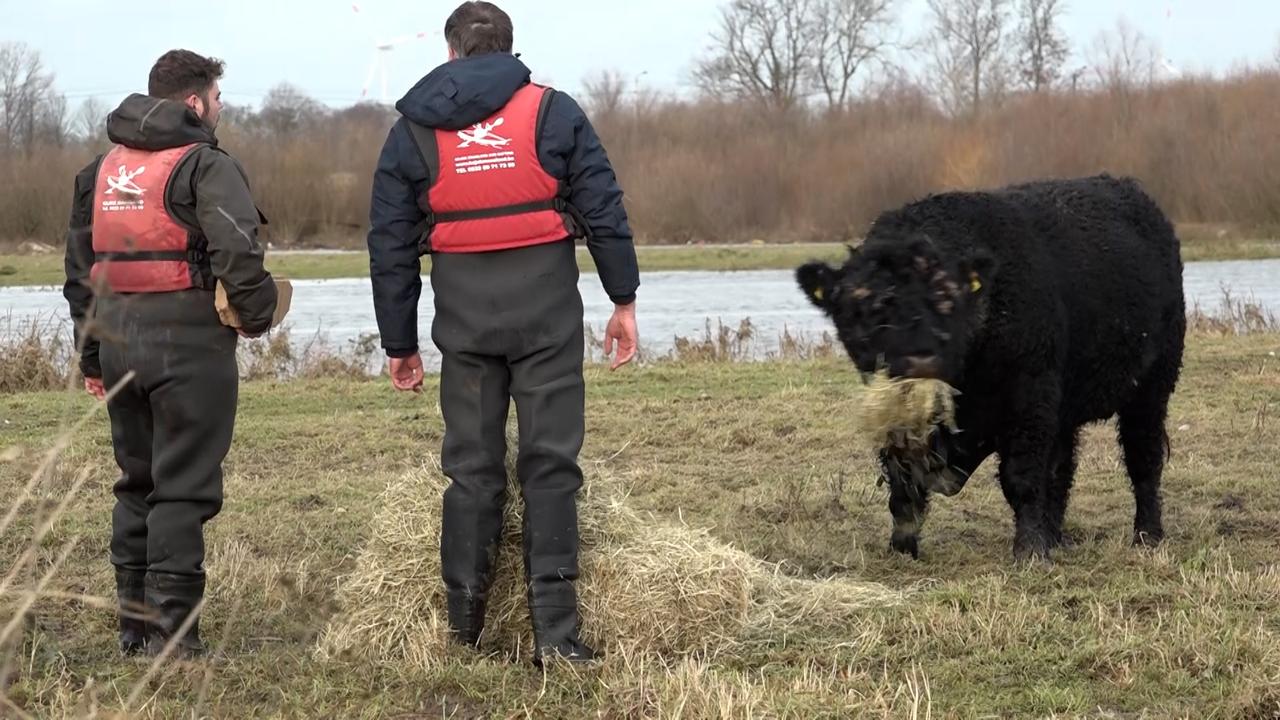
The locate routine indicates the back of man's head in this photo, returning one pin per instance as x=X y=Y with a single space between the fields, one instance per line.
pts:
x=179 y=74
x=478 y=28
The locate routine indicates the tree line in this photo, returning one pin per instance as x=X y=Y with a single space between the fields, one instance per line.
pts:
x=807 y=121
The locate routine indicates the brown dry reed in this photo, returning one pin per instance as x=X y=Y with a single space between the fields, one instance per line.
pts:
x=705 y=171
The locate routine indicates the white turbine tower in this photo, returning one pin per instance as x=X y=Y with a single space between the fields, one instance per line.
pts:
x=381 y=62
x=1167 y=67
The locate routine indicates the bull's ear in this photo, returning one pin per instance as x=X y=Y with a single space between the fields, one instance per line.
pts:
x=818 y=281
x=978 y=270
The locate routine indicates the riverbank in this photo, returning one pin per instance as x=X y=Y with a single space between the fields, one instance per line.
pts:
x=46 y=269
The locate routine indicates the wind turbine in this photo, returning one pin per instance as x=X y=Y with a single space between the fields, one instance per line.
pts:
x=381 y=62
x=1167 y=67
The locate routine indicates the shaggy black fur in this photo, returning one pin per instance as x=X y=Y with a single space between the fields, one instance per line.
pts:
x=1049 y=305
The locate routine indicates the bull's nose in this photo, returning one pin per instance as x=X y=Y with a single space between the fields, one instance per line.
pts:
x=923 y=366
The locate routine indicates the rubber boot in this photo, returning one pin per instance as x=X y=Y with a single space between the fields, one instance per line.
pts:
x=466 y=618
x=556 y=634
x=172 y=598
x=130 y=594
x=556 y=626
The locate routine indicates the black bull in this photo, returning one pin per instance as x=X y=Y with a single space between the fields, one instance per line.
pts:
x=1048 y=305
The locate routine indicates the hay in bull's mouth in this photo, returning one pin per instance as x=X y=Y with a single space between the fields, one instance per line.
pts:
x=903 y=413
x=648 y=587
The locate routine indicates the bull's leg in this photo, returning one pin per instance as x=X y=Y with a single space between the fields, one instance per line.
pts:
x=909 y=497
x=1064 y=473
x=1025 y=465
x=908 y=503
x=1146 y=445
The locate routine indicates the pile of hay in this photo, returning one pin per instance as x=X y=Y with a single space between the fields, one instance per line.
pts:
x=903 y=413
x=647 y=587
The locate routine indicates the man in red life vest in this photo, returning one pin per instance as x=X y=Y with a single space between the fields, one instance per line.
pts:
x=155 y=223
x=495 y=177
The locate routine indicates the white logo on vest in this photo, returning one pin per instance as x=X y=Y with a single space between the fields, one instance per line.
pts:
x=482 y=134
x=129 y=190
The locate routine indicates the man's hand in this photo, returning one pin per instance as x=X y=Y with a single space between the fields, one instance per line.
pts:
x=621 y=334
x=406 y=373
x=94 y=387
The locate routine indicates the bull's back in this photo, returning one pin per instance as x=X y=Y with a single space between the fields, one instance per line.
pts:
x=1111 y=259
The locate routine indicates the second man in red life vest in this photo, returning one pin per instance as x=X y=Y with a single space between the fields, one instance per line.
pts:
x=155 y=223
x=496 y=177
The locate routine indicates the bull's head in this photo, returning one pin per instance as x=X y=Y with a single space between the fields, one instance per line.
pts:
x=903 y=306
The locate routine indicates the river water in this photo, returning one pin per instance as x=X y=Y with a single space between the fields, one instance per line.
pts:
x=670 y=304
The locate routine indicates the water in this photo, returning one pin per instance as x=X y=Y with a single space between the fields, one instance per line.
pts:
x=671 y=304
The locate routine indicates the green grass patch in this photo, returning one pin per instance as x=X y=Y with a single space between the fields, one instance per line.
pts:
x=761 y=453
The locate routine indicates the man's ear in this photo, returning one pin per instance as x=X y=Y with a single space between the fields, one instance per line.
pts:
x=978 y=270
x=196 y=103
x=818 y=281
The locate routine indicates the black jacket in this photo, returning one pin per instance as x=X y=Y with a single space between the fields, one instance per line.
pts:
x=208 y=191
x=454 y=96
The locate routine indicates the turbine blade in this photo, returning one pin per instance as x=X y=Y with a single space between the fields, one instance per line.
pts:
x=404 y=39
x=368 y=78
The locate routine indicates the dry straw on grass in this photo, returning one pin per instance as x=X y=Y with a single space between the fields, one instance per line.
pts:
x=648 y=588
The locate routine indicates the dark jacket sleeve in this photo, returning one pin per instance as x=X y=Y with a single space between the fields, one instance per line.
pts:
x=395 y=268
x=594 y=191
x=229 y=221
x=77 y=263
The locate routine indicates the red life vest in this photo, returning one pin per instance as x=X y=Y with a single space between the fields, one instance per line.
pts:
x=138 y=246
x=488 y=189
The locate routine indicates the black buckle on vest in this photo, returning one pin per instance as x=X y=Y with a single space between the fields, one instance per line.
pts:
x=197 y=256
x=142 y=256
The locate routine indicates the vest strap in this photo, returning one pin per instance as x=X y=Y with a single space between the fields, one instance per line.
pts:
x=557 y=204
x=143 y=256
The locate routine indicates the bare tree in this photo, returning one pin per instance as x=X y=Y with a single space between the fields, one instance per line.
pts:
x=90 y=119
x=286 y=109
x=1277 y=50
x=1124 y=58
x=1042 y=45
x=762 y=51
x=969 y=44
x=605 y=92
x=849 y=34
x=27 y=100
x=52 y=124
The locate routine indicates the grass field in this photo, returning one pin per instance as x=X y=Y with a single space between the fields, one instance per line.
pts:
x=16 y=270
x=760 y=453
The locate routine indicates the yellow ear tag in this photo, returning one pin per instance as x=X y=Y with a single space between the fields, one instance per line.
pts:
x=817 y=293
x=974 y=283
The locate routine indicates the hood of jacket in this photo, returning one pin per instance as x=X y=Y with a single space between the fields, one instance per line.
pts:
x=462 y=92
x=149 y=123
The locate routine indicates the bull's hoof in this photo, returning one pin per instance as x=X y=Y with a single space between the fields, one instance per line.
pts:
x=1148 y=538
x=906 y=544
x=1062 y=540
x=1032 y=547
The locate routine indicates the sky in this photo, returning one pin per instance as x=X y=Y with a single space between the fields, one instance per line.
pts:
x=104 y=48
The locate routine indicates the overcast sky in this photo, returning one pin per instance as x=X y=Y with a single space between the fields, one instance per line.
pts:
x=104 y=48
